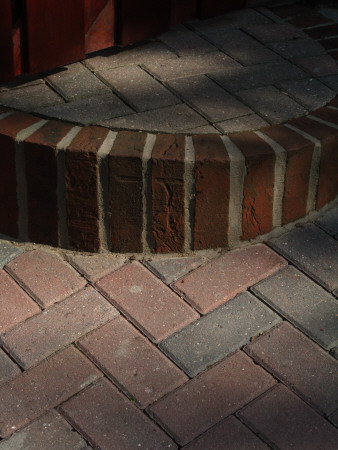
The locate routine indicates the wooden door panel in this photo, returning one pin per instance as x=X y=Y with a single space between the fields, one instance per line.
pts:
x=183 y=10
x=211 y=8
x=92 y=10
x=55 y=33
x=6 y=42
x=100 y=31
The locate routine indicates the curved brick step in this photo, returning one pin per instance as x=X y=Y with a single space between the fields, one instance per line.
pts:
x=92 y=189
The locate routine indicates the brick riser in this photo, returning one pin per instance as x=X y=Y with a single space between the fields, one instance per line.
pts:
x=92 y=189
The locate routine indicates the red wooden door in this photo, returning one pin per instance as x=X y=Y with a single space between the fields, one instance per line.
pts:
x=6 y=42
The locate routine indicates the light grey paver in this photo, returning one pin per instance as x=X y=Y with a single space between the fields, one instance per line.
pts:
x=209 y=99
x=271 y=104
x=297 y=48
x=185 y=42
x=304 y=303
x=274 y=32
x=329 y=222
x=219 y=333
x=313 y=251
x=245 y=123
x=138 y=88
x=30 y=98
x=334 y=352
x=50 y=432
x=8 y=369
x=172 y=118
x=76 y=81
x=331 y=81
x=7 y=253
x=95 y=266
x=89 y=110
x=171 y=269
x=318 y=66
x=310 y=93
x=208 y=129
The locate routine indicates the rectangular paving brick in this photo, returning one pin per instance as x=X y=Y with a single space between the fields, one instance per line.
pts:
x=185 y=42
x=95 y=266
x=8 y=369
x=313 y=251
x=318 y=66
x=310 y=93
x=274 y=32
x=7 y=253
x=50 y=432
x=210 y=397
x=297 y=48
x=223 y=278
x=245 y=123
x=108 y=420
x=146 y=301
x=329 y=222
x=30 y=98
x=219 y=333
x=44 y=387
x=45 y=276
x=299 y=363
x=170 y=269
x=135 y=365
x=285 y=421
x=305 y=304
x=36 y=339
x=15 y=305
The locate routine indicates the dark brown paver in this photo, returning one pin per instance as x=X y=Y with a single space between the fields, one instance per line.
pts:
x=222 y=279
x=45 y=386
x=95 y=266
x=8 y=369
x=36 y=339
x=210 y=397
x=299 y=363
x=45 y=277
x=146 y=301
x=132 y=362
x=108 y=420
x=285 y=421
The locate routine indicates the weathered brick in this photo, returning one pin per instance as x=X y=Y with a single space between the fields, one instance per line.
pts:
x=308 y=19
x=170 y=269
x=274 y=32
x=107 y=419
x=185 y=42
x=41 y=174
x=44 y=387
x=285 y=421
x=45 y=277
x=8 y=369
x=36 y=339
x=310 y=92
x=329 y=222
x=298 y=164
x=82 y=189
x=7 y=253
x=210 y=397
x=313 y=251
x=324 y=31
x=299 y=48
x=132 y=362
x=212 y=192
x=95 y=266
x=29 y=98
x=219 y=333
x=15 y=305
x=305 y=367
x=225 y=277
x=125 y=191
x=245 y=123
x=168 y=206
x=258 y=184
x=146 y=301
x=329 y=44
x=9 y=128
x=318 y=66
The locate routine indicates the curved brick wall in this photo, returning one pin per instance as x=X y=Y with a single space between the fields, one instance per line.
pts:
x=92 y=189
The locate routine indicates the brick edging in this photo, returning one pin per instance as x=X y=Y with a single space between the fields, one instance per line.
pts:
x=91 y=189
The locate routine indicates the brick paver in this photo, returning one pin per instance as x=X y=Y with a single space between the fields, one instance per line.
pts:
x=107 y=419
x=45 y=277
x=170 y=269
x=34 y=340
x=30 y=97
x=146 y=301
x=219 y=333
x=329 y=222
x=244 y=123
x=50 y=431
x=274 y=32
x=95 y=266
x=45 y=386
x=8 y=369
x=184 y=42
x=222 y=279
x=313 y=251
x=300 y=364
x=7 y=253
x=299 y=48
x=305 y=304
x=318 y=66
x=281 y=418
x=210 y=397
x=15 y=305
x=132 y=362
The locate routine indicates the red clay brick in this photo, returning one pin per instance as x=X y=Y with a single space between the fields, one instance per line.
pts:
x=137 y=367
x=212 y=187
x=4 y=110
x=168 y=193
x=146 y=301
x=41 y=174
x=45 y=277
x=329 y=44
x=334 y=102
x=125 y=202
x=328 y=180
x=44 y=387
x=219 y=281
x=328 y=114
x=108 y=420
x=82 y=189
x=15 y=305
x=334 y=54
x=284 y=420
x=299 y=156
x=210 y=397
x=36 y=339
x=305 y=367
x=258 y=184
x=8 y=369
x=323 y=32
x=9 y=128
